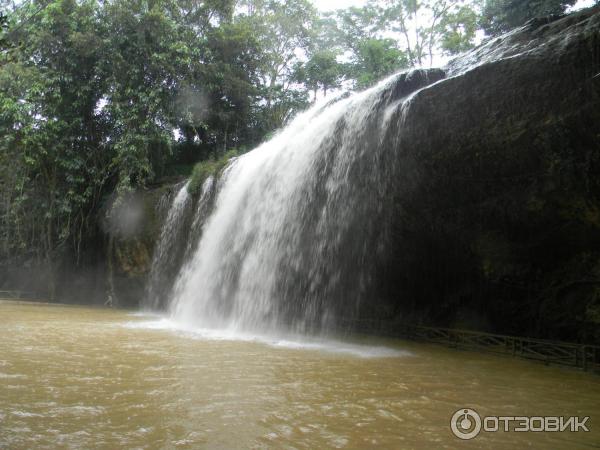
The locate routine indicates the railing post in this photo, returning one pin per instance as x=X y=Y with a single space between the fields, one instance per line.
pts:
x=584 y=357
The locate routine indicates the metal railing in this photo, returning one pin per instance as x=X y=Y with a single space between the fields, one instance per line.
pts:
x=550 y=352
x=586 y=357
x=19 y=295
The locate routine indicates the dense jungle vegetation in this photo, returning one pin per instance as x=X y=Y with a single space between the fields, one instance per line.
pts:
x=98 y=97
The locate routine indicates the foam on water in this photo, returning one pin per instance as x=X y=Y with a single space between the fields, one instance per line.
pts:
x=290 y=341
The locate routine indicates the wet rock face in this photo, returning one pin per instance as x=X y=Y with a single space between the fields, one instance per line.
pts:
x=497 y=223
x=131 y=231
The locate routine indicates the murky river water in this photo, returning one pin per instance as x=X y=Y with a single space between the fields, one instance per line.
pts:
x=74 y=377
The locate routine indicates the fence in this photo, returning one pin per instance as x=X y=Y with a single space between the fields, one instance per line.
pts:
x=19 y=295
x=586 y=357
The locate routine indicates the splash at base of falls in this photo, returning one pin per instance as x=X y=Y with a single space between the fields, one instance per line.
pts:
x=288 y=341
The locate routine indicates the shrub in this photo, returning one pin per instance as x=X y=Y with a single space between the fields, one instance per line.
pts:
x=205 y=169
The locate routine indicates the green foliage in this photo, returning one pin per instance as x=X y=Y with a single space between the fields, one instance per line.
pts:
x=500 y=16
x=200 y=173
x=209 y=168
x=49 y=102
x=375 y=59
x=457 y=30
x=3 y=28
x=359 y=24
x=429 y=24
x=148 y=55
x=179 y=170
x=283 y=30
x=321 y=71
x=420 y=29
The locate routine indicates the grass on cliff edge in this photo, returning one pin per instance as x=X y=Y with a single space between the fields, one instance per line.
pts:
x=210 y=167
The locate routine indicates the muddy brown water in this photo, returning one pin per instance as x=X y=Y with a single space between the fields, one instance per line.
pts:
x=83 y=378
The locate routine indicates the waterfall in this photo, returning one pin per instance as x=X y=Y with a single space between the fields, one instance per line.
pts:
x=203 y=209
x=296 y=226
x=165 y=261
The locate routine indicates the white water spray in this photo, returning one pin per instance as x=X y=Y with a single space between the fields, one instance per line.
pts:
x=298 y=222
x=165 y=252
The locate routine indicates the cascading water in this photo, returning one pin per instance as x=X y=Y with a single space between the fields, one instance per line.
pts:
x=203 y=208
x=298 y=224
x=167 y=251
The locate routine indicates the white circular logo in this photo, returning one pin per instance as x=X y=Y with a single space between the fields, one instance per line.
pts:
x=465 y=423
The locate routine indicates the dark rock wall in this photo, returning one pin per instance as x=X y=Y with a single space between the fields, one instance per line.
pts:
x=497 y=221
x=132 y=230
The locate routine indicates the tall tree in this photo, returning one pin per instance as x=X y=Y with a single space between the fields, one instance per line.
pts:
x=425 y=24
x=456 y=30
x=49 y=94
x=356 y=36
x=149 y=58
x=321 y=71
x=3 y=28
x=283 y=30
x=229 y=76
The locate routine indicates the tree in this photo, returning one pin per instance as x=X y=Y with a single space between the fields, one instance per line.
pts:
x=375 y=59
x=148 y=59
x=283 y=31
x=229 y=76
x=500 y=16
x=359 y=24
x=283 y=28
x=457 y=30
x=426 y=24
x=49 y=94
x=356 y=36
x=321 y=71
x=3 y=28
